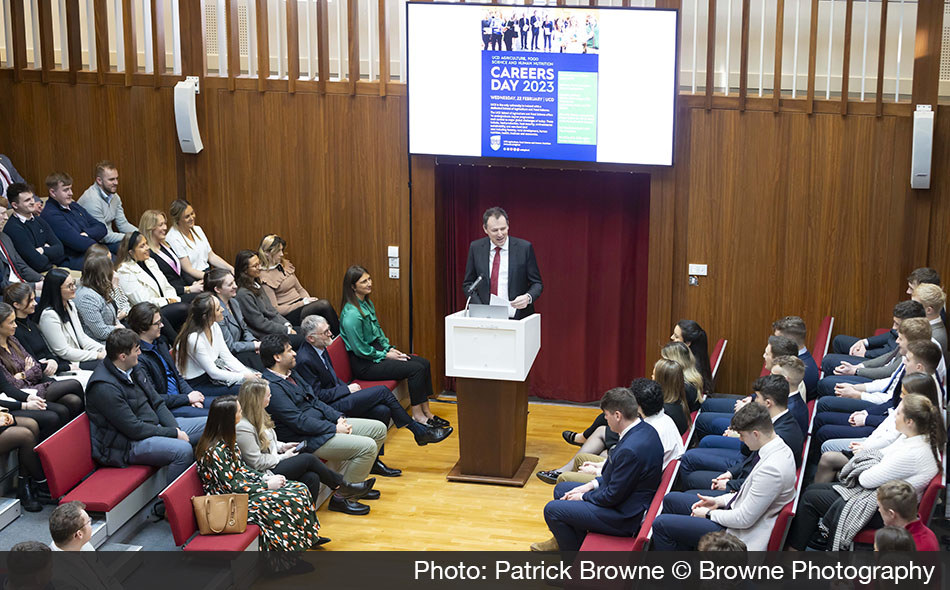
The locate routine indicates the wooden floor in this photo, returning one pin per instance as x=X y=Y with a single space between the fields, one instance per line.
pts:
x=423 y=511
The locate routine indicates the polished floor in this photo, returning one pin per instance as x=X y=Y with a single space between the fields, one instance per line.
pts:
x=421 y=510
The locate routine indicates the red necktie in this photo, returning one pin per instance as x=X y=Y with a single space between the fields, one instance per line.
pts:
x=10 y=262
x=495 y=266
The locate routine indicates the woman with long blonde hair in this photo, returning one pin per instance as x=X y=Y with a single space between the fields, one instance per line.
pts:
x=693 y=379
x=262 y=451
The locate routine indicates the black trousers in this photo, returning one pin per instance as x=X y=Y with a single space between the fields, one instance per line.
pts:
x=310 y=471
x=376 y=403
x=320 y=307
x=416 y=370
x=820 y=503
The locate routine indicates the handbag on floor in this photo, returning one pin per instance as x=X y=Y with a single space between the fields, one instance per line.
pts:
x=220 y=514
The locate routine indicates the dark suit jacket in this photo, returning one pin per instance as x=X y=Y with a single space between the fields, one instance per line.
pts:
x=811 y=374
x=23 y=269
x=315 y=373
x=630 y=478
x=237 y=335
x=68 y=225
x=151 y=367
x=29 y=237
x=523 y=273
x=298 y=414
x=786 y=427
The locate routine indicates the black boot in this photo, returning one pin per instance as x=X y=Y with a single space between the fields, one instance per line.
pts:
x=25 y=495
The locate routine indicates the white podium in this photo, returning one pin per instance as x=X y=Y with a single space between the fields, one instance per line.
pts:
x=491 y=359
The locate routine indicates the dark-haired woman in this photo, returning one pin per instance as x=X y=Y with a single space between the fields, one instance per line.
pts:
x=372 y=356
x=60 y=323
x=141 y=280
x=203 y=358
x=100 y=303
x=261 y=316
x=237 y=335
x=20 y=296
x=692 y=335
x=285 y=292
x=283 y=509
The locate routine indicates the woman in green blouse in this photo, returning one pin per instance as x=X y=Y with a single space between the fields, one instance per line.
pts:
x=372 y=357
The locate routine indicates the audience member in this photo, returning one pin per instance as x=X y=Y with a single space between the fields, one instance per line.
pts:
x=154 y=226
x=720 y=541
x=793 y=370
x=300 y=415
x=23 y=371
x=261 y=450
x=749 y=513
x=375 y=403
x=21 y=434
x=8 y=174
x=692 y=335
x=157 y=364
x=100 y=303
x=129 y=422
x=261 y=316
x=33 y=239
x=72 y=224
x=284 y=510
x=614 y=503
x=843 y=368
x=103 y=202
x=141 y=280
x=920 y=276
x=897 y=505
x=893 y=538
x=844 y=509
x=20 y=296
x=237 y=335
x=372 y=356
x=793 y=328
x=669 y=374
x=933 y=298
x=71 y=528
x=203 y=357
x=693 y=380
x=13 y=269
x=284 y=290
x=189 y=243
x=29 y=566
x=60 y=323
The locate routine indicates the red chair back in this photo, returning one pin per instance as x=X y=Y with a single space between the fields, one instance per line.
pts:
x=715 y=359
x=178 y=507
x=340 y=359
x=822 y=339
x=646 y=529
x=67 y=456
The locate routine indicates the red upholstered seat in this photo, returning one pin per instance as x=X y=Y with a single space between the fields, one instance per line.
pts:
x=390 y=385
x=181 y=517
x=108 y=486
x=67 y=456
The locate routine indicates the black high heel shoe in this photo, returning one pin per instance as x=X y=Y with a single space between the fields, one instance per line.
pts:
x=438 y=422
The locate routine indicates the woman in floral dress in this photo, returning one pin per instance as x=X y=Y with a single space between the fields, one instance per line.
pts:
x=283 y=509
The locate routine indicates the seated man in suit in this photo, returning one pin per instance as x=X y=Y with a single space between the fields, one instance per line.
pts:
x=72 y=224
x=145 y=319
x=13 y=269
x=375 y=403
x=723 y=469
x=793 y=328
x=300 y=415
x=792 y=369
x=103 y=202
x=129 y=422
x=933 y=299
x=615 y=502
x=8 y=174
x=749 y=513
x=32 y=236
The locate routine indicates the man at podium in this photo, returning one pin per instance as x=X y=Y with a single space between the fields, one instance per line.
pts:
x=504 y=266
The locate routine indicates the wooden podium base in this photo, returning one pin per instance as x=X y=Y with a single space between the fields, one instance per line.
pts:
x=520 y=477
x=492 y=428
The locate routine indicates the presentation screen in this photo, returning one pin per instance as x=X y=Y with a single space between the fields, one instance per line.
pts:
x=551 y=83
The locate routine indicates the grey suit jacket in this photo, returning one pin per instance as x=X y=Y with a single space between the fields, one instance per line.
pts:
x=237 y=335
x=939 y=333
x=26 y=271
x=755 y=507
x=14 y=175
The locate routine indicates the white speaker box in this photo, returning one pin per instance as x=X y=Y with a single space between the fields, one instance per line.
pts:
x=922 y=147
x=186 y=115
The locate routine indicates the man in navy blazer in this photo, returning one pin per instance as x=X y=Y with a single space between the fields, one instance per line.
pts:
x=72 y=224
x=34 y=238
x=375 y=403
x=515 y=276
x=615 y=502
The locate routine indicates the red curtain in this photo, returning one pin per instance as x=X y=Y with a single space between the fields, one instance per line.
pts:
x=590 y=235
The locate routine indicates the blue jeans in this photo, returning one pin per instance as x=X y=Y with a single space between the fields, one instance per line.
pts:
x=162 y=450
x=675 y=529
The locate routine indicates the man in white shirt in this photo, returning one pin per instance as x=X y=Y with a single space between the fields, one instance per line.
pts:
x=102 y=201
x=71 y=528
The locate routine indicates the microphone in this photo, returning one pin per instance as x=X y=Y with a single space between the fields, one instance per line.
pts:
x=474 y=285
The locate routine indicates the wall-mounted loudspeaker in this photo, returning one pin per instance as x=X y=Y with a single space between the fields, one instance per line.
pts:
x=923 y=147
x=186 y=115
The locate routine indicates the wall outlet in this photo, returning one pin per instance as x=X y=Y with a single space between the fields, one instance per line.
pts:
x=394 y=262
x=392 y=251
x=394 y=273
x=693 y=281
x=697 y=269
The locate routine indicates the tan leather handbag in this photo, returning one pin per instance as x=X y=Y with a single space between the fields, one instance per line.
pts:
x=221 y=514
